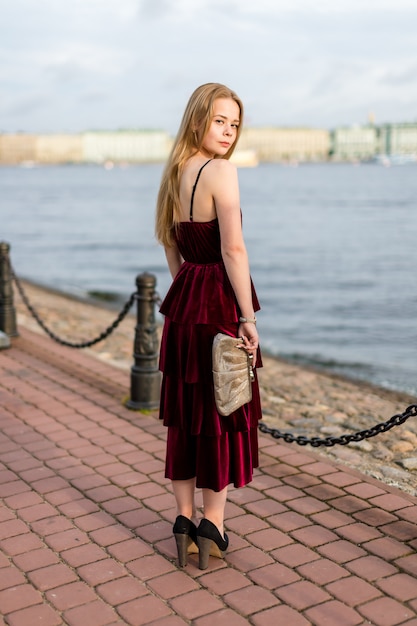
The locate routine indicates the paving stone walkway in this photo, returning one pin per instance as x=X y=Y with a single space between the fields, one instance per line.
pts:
x=86 y=518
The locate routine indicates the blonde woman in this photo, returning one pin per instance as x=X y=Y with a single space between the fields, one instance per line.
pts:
x=199 y=223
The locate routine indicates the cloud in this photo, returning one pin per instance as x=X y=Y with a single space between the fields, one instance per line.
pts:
x=342 y=7
x=93 y=97
x=155 y=9
x=74 y=60
x=25 y=105
x=292 y=61
x=64 y=71
x=400 y=75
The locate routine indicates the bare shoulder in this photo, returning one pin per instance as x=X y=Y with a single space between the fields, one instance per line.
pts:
x=222 y=165
x=222 y=169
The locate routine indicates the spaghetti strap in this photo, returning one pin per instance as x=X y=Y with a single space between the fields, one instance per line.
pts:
x=194 y=187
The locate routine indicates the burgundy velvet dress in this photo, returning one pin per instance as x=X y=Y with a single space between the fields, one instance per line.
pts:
x=200 y=303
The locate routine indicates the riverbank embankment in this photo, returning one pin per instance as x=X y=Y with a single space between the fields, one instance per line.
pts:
x=297 y=399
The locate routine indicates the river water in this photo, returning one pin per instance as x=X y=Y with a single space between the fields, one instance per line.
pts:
x=332 y=252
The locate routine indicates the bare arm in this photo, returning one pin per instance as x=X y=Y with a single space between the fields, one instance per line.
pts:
x=225 y=187
x=174 y=260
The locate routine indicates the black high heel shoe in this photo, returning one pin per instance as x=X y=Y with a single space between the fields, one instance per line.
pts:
x=185 y=533
x=210 y=542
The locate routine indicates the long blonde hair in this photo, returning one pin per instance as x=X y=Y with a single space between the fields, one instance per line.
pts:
x=194 y=127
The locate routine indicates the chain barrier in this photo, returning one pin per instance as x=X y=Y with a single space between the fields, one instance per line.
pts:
x=301 y=440
x=343 y=440
x=63 y=342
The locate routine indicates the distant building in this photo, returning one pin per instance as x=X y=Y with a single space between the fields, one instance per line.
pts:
x=354 y=143
x=245 y=158
x=18 y=148
x=398 y=139
x=59 y=149
x=286 y=144
x=90 y=147
x=291 y=145
x=139 y=146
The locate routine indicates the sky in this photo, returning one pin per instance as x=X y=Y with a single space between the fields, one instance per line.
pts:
x=75 y=65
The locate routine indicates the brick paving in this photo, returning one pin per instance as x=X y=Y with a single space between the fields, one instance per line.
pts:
x=86 y=518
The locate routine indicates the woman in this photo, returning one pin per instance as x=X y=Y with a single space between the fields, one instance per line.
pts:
x=199 y=224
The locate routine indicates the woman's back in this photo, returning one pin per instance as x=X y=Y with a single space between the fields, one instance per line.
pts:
x=196 y=198
x=199 y=242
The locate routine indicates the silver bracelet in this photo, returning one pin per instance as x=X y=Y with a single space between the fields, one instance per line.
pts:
x=247 y=320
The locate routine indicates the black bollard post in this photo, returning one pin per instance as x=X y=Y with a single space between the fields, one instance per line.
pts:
x=7 y=310
x=145 y=377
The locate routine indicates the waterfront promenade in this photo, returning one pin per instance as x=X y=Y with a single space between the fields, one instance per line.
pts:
x=86 y=518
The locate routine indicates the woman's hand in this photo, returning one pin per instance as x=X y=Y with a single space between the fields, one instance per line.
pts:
x=248 y=333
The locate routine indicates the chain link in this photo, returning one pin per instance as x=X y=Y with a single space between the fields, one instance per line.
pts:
x=156 y=298
x=343 y=440
x=63 y=342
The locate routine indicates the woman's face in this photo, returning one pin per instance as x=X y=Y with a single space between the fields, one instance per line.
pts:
x=223 y=128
